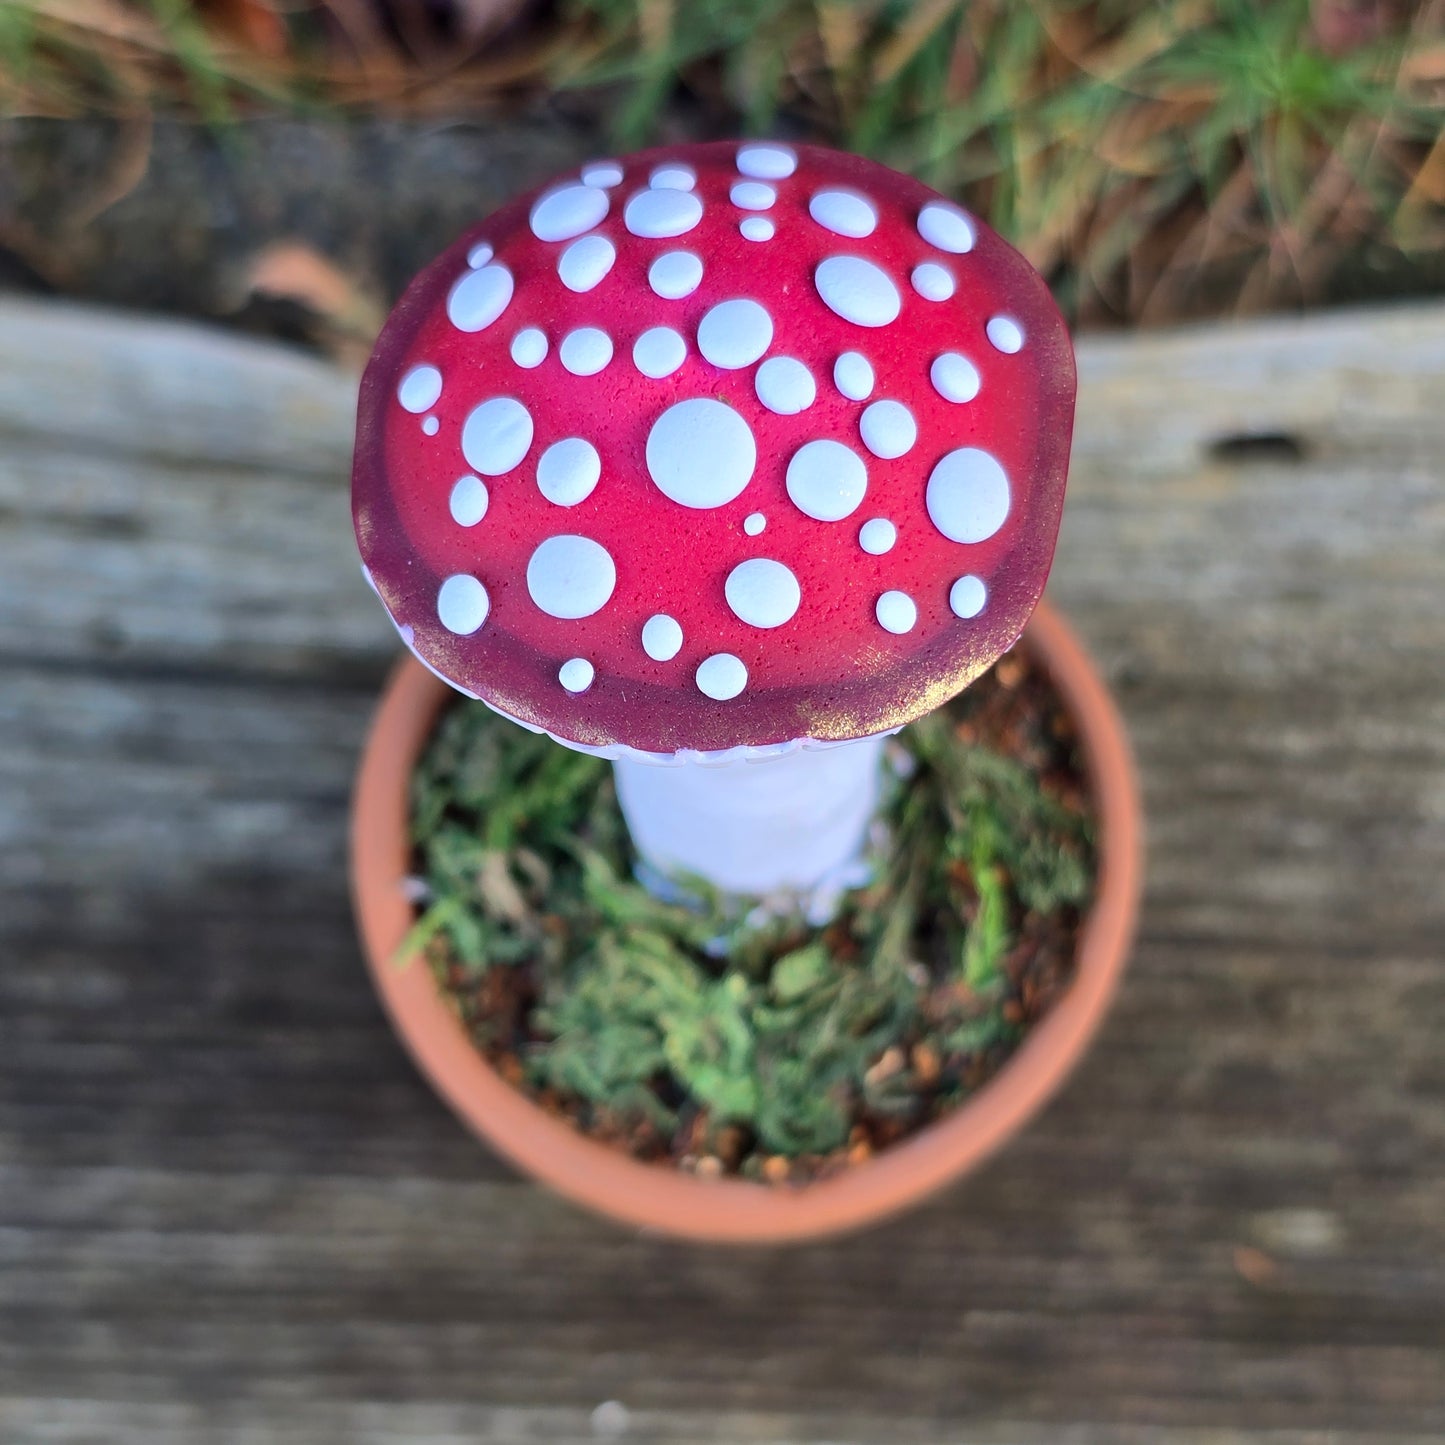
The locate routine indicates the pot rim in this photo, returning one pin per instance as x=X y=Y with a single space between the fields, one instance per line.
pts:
x=657 y=1196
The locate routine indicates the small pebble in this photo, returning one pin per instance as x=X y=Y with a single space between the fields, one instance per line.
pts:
x=776 y=1169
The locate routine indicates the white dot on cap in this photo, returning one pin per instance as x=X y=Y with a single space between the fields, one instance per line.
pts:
x=462 y=604
x=576 y=674
x=570 y=576
x=946 y=227
x=735 y=333
x=785 y=385
x=419 y=388
x=701 y=453
x=753 y=195
x=654 y=215
x=954 y=377
x=673 y=176
x=1006 y=334
x=661 y=637
x=896 y=612
x=754 y=523
x=479 y=297
x=567 y=211
x=586 y=351
x=762 y=592
x=601 y=173
x=529 y=347
x=659 y=351
x=767 y=162
x=888 y=429
x=480 y=254
x=584 y=263
x=967 y=596
x=721 y=676
x=857 y=290
x=826 y=480
x=496 y=435
x=853 y=376
x=568 y=471
x=845 y=213
x=932 y=281
x=431 y=426
x=877 y=536
x=757 y=228
x=469 y=501
x=675 y=274
x=968 y=495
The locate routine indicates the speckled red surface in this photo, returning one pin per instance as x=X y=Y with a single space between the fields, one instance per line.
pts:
x=831 y=671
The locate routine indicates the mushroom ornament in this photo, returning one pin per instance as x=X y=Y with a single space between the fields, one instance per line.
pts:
x=722 y=461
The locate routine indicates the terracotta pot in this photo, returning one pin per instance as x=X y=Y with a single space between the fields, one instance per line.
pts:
x=657 y=1196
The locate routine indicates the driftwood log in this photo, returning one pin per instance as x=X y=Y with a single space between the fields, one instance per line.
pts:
x=231 y=1212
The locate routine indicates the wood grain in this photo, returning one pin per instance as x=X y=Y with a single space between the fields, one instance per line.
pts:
x=230 y=1212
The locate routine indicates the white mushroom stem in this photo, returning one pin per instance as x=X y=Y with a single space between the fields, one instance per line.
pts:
x=793 y=823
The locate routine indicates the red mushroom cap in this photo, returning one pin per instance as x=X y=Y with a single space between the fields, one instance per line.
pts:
x=719 y=446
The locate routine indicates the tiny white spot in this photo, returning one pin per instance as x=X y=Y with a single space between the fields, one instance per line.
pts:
x=753 y=195
x=529 y=347
x=877 y=536
x=480 y=297
x=857 y=290
x=576 y=674
x=735 y=333
x=462 y=604
x=853 y=376
x=659 y=351
x=661 y=637
x=675 y=274
x=586 y=351
x=785 y=385
x=845 y=213
x=896 y=612
x=968 y=495
x=496 y=435
x=754 y=523
x=757 y=228
x=721 y=676
x=932 y=281
x=570 y=576
x=602 y=173
x=469 y=501
x=826 y=480
x=430 y=426
x=655 y=215
x=480 y=254
x=767 y=162
x=967 y=596
x=888 y=429
x=701 y=453
x=420 y=388
x=762 y=592
x=674 y=176
x=568 y=471
x=946 y=227
x=567 y=211
x=954 y=377
x=584 y=263
x=611 y=1420
x=1006 y=334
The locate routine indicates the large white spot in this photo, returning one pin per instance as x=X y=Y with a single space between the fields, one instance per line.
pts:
x=571 y=576
x=576 y=674
x=896 y=612
x=701 y=453
x=877 y=536
x=826 y=480
x=495 y=437
x=655 y=215
x=946 y=227
x=767 y=162
x=967 y=596
x=968 y=495
x=586 y=351
x=469 y=501
x=721 y=676
x=853 y=376
x=845 y=213
x=1005 y=333
x=584 y=263
x=479 y=297
x=659 y=351
x=735 y=333
x=529 y=347
x=753 y=195
x=954 y=377
x=419 y=388
x=932 y=281
x=674 y=176
x=754 y=523
x=601 y=173
x=888 y=429
x=661 y=637
x=763 y=593
x=675 y=274
x=568 y=470
x=567 y=211
x=785 y=385
x=757 y=228
x=462 y=604
x=857 y=290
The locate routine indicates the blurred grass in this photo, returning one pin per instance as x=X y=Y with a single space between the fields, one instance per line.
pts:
x=1153 y=159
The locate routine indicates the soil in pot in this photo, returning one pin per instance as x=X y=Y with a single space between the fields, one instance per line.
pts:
x=734 y=1038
